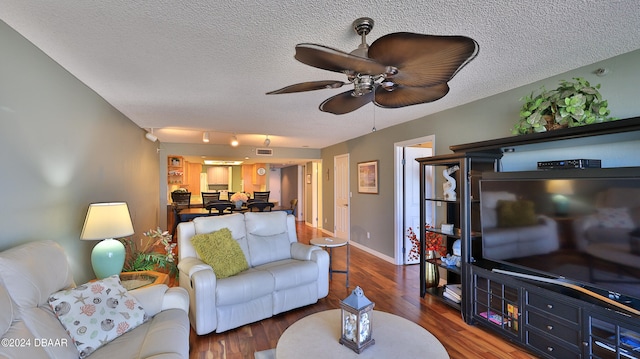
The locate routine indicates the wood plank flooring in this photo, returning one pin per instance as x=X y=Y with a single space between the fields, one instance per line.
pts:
x=394 y=289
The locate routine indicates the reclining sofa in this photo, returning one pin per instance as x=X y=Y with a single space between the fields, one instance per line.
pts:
x=515 y=241
x=32 y=274
x=282 y=273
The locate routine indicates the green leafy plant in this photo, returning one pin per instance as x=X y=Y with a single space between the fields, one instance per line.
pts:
x=572 y=103
x=148 y=256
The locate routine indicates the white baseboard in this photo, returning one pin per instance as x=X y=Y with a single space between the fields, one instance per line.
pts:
x=360 y=246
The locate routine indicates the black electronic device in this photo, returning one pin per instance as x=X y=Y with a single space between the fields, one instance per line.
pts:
x=568 y=164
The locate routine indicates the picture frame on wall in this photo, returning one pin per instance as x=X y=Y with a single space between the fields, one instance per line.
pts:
x=368 y=177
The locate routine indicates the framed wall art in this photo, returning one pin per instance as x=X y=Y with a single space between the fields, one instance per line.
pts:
x=368 y=177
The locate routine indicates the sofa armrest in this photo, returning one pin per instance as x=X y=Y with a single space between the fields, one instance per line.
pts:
x=315 y=254
x=200 y=282
x=191 y=265
x=156 y=298
x=302 y=251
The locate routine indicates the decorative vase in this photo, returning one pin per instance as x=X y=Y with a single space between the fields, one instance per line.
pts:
x=238 y=204
x=431 y=275
x=552 y=124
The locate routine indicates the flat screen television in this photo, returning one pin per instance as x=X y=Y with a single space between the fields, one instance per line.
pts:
x=580 y=227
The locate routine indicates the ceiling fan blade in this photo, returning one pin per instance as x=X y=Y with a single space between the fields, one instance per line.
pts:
x=344 y=103
x=406 y=95
x=330 y=59
x=308 y=86
x=423 y=60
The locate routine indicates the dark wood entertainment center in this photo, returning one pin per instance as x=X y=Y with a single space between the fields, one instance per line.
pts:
x=550 y=320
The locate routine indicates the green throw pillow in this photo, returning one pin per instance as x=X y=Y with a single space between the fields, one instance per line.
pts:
x=223 y=253
x=516 y=213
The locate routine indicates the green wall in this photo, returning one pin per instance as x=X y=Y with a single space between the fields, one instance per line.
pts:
x=63 y=147
x=485 y=119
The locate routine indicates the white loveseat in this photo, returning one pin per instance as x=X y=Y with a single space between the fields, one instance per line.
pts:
x=515 y=241
x=31 y=273
x=607 y=234
x=283 y=274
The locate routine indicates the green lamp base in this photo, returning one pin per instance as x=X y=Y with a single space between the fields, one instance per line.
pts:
x=107 y=258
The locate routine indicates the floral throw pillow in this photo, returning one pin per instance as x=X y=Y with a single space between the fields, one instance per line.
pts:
x=96 y=313
x=615 y=218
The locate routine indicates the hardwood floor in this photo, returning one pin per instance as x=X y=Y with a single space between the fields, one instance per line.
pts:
x=394 y=289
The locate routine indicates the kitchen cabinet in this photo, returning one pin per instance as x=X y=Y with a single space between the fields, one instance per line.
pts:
x=218 y=175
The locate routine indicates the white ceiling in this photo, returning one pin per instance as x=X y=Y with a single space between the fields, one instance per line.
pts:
x=186 y=66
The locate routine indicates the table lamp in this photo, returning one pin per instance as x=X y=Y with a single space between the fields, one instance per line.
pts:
x=105 y=222
x=559 y=190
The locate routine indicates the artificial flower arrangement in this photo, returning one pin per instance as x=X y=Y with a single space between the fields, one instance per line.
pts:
x=146 y=257
x=433 y=241
x=239 y=196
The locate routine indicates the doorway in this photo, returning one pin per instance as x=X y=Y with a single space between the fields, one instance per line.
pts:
x=342 y=220
x=407 y=195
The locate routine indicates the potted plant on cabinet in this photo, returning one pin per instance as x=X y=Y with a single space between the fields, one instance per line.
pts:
x=572 y=103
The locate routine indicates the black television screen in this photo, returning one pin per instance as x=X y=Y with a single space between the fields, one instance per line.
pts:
x=578 y=225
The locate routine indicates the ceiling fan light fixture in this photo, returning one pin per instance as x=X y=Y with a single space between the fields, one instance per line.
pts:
x=205 y=137
x=363 y=84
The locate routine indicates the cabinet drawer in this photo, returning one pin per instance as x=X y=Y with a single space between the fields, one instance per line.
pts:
x=568 y=333
x=550 y=348
x=554 y=307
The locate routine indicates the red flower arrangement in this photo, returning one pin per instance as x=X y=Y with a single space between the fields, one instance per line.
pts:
x=432 y=242
x=414 y=252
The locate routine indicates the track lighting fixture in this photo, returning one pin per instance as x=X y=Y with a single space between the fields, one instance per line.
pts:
x=205 y=137
x=150 y=136
x=234 y=141
x=267 y=141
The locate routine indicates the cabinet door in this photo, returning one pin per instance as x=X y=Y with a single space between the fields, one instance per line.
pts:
x=611 y=337
x=193 y=177
x=496 y=303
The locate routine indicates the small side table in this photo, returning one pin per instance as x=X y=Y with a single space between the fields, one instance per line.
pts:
x=134 y=280
x=330 y=243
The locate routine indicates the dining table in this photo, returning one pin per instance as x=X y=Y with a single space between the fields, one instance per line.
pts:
x=188 y=214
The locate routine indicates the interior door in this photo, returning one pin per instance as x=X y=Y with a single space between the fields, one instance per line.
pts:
x=342 y=221
x=412 y=199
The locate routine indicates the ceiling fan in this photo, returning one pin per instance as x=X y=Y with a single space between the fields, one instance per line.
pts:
x=399 y=69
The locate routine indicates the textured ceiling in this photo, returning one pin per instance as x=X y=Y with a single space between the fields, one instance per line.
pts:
x=186 y=66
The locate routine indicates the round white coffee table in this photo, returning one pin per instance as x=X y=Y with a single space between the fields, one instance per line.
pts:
x=330 y=243
x=317 y=335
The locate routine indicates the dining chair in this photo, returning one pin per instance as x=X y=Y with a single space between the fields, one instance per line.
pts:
x=294 y=204
x=260 y=206
x=181 y=198
x=261 y=196
x=209 y=197
x=220 y=206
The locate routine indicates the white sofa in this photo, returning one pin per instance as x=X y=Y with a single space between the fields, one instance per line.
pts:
x=514 y=242
x=607 y=237
x=30 y=273
x=283 y=274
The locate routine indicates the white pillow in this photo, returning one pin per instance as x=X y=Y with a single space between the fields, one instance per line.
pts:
x=615 y=218
x=96 y=313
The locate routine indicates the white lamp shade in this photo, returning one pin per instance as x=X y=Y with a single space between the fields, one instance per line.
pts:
x=560 y=187
x=107 y=220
